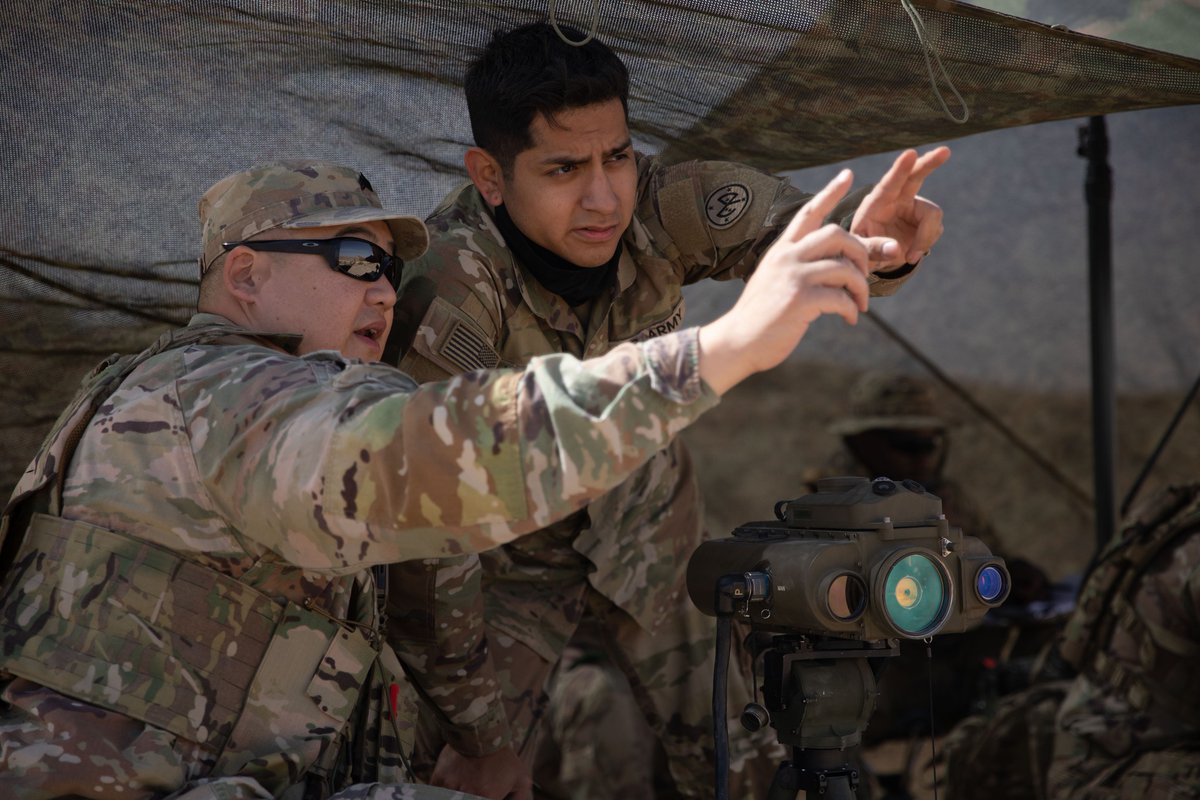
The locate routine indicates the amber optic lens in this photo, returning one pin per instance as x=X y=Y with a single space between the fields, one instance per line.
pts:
x=846 y=598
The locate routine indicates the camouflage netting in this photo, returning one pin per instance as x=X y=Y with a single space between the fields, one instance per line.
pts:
x=114 y=117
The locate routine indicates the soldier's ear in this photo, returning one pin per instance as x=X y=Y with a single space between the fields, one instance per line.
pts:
x=486 y=174
x=243 y=275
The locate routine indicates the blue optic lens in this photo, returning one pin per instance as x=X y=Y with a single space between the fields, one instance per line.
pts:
x=989 y=583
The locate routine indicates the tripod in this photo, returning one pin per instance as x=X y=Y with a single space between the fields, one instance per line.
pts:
x=819 y=693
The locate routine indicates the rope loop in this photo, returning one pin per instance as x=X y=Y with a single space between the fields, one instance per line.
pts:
x=926 y=51
x=593 y=27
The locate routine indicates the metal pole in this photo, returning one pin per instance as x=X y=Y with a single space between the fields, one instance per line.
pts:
x=1093 y=145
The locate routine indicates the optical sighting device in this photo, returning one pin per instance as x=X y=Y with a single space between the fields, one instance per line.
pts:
x=838 y=578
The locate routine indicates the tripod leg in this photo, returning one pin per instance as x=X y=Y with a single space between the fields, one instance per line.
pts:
x=786 y=783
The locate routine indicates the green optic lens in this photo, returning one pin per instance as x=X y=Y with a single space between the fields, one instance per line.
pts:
x=914 y=594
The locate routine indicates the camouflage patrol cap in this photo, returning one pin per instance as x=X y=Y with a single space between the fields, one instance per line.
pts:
x=880 y=400
x=297 y=194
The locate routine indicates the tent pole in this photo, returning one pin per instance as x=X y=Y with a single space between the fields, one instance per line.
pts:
x=1093 y=145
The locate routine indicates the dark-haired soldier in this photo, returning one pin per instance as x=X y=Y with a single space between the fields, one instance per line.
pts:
x=567 y=241
x=188 y=605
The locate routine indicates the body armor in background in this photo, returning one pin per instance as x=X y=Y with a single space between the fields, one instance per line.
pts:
x=1127 y=726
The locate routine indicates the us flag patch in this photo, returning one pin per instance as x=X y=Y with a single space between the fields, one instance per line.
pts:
x=463 y=347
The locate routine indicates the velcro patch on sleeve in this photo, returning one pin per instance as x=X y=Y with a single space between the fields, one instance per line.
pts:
x=453 y=341
x=681 y=218
x=721 y=205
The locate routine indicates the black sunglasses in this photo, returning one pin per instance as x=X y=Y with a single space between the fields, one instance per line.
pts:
x=355 y=258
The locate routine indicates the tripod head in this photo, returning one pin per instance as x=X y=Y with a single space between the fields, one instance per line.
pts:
x=818 y=694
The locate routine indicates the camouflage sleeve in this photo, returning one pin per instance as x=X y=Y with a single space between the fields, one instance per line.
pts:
x=446 y=323
x=719 y=217
x=435 y=625
x=335 y=465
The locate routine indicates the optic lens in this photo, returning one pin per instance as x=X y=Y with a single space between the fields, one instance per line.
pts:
x=847 y=598
x=914 y=594
x=908 y=593
x=989 y=583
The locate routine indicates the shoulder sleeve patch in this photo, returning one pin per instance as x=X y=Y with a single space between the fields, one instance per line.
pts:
x=726 y=204
x=453 y=341
x=707 y=208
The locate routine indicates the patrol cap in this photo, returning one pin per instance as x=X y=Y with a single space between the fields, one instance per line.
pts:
x=297 y=194
x=881 y=400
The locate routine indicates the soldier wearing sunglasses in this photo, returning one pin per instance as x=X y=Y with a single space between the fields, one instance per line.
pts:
x=188 y=600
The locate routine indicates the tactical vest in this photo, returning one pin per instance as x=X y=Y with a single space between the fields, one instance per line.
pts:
x=1105 y=604
x=152 y=634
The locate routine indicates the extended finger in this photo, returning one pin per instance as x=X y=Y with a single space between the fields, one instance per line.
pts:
x=812 y=214
x=894 y=180
x=923 y=167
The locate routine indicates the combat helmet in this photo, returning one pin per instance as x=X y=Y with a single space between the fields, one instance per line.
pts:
x=889 y=400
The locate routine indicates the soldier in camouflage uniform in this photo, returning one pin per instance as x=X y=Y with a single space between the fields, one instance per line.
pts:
x=1114 y=713
x=567 y=241
x=1129 y=726
x=896 y=428
x=187 y=605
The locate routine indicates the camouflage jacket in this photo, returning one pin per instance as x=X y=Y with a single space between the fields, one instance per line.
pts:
x=1135 y=637
x=468 y=304
x=235 y=467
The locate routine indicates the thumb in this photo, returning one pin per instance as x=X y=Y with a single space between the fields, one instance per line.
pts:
x=813 y=213
x=881 y=248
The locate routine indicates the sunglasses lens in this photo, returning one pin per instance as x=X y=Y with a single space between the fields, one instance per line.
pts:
x=360 y=259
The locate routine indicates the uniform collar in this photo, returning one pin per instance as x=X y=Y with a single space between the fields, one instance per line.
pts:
x=574 y=284
x=287 y=342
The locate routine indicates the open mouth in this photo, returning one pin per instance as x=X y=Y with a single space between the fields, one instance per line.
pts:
x=374 y=331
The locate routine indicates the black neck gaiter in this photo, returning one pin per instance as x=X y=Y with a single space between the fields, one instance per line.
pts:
x=572 y=283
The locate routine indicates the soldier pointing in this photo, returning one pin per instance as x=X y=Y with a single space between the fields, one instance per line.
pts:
x=568 y=241
x=188 y=606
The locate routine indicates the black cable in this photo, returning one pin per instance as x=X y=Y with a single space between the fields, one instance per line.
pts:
x=719 y=699
x=932 y=730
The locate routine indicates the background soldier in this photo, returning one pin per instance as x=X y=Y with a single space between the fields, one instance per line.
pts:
x=896 y=428
x=567 y=241
x=1127 y=725
x=187 y=603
